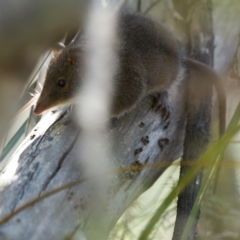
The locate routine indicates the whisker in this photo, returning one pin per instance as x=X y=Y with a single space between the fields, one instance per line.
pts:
x=40 y=85
x=31 y=94
x=36 y=91
x=26 y=106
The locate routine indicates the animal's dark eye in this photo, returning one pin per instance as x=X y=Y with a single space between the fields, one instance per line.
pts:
x=61 y=83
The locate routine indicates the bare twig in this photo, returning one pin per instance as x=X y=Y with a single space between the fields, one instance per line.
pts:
x=134 y=168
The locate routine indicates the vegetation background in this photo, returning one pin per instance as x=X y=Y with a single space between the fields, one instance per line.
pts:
x=220 y=208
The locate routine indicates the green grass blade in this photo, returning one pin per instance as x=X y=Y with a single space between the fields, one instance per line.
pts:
x=204 y=161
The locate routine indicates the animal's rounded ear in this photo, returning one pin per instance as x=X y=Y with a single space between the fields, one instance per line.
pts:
x=74 y=56
x=58 y=48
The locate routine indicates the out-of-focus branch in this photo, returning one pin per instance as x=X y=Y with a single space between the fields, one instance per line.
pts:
x=27 y=29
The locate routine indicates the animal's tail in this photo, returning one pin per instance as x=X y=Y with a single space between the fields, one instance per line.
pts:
x=213 y=77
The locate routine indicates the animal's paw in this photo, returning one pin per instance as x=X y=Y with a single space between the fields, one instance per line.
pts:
x=160 y=105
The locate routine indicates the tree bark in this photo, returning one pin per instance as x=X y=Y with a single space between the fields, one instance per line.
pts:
x=49 y=158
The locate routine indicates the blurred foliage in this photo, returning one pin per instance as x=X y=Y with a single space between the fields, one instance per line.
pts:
x=209 y=161
x=153 y=208
x=220 y=217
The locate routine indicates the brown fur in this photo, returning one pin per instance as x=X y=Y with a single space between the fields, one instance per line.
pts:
x=150 y=60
